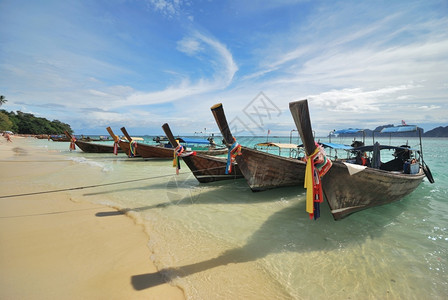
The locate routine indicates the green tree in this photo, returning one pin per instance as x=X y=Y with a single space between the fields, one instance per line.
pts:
x=60 y=127
x=15 y=122
x=2 y=100
x=27 y=123
x=5 y=122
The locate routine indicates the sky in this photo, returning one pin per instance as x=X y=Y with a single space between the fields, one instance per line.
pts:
x=142 y=63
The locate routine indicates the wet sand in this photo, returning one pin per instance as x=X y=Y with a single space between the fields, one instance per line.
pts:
x=52 y=247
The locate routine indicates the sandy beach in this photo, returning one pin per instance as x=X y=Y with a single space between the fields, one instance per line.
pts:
x=53 y=247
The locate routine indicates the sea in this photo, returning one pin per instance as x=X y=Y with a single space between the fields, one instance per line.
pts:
x=222 y=241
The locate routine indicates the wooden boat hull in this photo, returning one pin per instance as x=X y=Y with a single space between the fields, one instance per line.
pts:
x=126 y=148
x=265 y=171
x=347 y=194
x=205 y=168
x=210 y=168
x=95 y=148
x=124 y=145
x=262 y=170
x=149 y=151
x=55 y=139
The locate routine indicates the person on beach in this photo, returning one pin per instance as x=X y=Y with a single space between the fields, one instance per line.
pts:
x=7 y=137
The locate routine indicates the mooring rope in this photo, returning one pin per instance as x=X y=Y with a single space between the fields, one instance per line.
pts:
x=28 y=161
x=84 y=187
x=96 y=185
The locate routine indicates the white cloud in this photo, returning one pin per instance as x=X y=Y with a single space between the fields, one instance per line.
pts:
x=429 y=107
x=219 y=57
x=168 y=8
x=189 y=46
x=355 y=99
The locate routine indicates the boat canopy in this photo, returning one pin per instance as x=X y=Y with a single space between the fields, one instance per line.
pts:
x=363 y=148
x=349 y=130
x=405 y=128
x=193 y=141
x=134 y=138
x=382 y=147
x=337 y=146
x=279 y=145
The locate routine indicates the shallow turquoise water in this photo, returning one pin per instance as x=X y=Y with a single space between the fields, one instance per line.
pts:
x=221 y=241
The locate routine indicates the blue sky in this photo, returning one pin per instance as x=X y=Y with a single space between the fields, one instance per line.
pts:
x=141 y=63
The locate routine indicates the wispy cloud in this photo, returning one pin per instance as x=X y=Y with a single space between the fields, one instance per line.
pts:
x=189 y=45
x=219 y=57
x=353 y=100
x=168 y=8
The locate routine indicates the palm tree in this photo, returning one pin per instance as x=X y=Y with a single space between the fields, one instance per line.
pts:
x=2 y=100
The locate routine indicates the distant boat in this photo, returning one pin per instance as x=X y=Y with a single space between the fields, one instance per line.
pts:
x=350 y=186
x=166 y=151
x=65 y=138
x=90 y=139
x=261 y=170
x=159 y=139
x=59 y=138
x=204 y=167
x=91 y=147
x=43 y=136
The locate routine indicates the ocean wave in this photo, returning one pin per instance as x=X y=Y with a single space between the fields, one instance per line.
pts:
x=83 y=160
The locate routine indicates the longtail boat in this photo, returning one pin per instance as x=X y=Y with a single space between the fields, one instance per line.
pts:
x=166 y=151
x=204 y=167
x=59 y=138
x=148 y=151
x=350 y=187
x=124 y=144
x=91 y=147
x=261 y=170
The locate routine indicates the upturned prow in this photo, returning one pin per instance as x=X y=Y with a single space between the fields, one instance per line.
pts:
x=68 y=134
x=221 y=120
x=166 y=128
x=301 y=116
x=126 y=134
x=112 y=134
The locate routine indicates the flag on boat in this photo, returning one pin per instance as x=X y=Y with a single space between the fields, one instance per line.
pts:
x=403 y=123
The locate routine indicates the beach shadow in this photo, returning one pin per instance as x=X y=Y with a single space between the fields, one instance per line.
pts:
x=124 y=211
x=303 y=236
x=144 y=281
x=49 y=213
x=111 y=213
x=18 y=151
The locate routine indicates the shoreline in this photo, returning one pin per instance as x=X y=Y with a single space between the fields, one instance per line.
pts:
x=54 y=247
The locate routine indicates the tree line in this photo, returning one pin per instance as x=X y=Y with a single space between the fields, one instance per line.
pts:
x=25 y=123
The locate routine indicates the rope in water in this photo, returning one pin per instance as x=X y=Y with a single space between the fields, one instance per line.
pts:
x=28 y=161
x=94 y=186
x=69 y=160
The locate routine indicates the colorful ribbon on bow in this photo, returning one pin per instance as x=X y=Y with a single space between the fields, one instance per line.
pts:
x=72 y=143
x=115 y=147
x=132 y=148
x=317 y=165
x=234 y=150
x=179 y=151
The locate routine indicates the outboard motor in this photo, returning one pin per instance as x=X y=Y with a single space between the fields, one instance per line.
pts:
x=404 y=154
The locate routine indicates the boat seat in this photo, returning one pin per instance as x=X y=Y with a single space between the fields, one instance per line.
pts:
x=395 y=164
